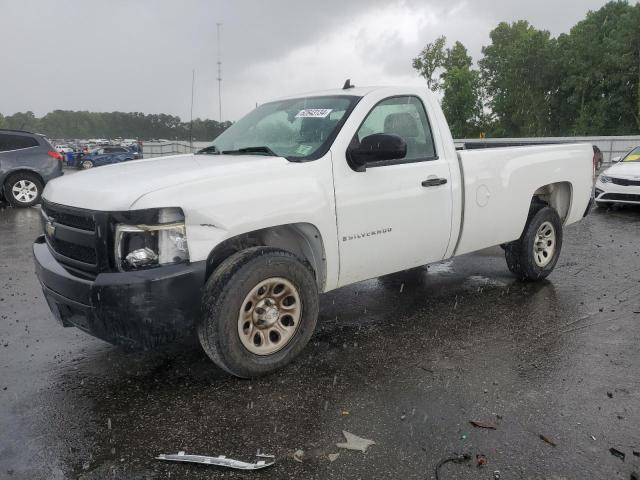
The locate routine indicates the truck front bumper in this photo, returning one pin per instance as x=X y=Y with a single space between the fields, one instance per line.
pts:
x=139 y=309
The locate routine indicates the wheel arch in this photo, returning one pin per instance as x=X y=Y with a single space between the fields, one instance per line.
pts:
x=10 y=173
x=302 y=239
x=558 y=195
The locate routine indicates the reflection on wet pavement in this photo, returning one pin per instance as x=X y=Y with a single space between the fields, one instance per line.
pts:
x=405 y=360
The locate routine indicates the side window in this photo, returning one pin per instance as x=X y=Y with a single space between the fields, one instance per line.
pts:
x=16 y=142
x=406 y=117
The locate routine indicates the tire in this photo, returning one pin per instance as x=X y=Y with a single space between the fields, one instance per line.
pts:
x=534 y=255
x=23 y=189
x=86 y=164
x=233 y=289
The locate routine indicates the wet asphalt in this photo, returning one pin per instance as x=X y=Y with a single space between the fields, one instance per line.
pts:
x=406 y=361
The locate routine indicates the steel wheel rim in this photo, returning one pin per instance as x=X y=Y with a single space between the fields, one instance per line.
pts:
x=544 y=245
x=24 y=191
x=87 y=164
x=269 y=316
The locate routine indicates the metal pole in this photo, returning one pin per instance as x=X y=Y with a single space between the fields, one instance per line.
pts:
x=218 y=25
x=193 y=81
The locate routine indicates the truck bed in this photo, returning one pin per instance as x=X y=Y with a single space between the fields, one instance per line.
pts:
x=499 y=183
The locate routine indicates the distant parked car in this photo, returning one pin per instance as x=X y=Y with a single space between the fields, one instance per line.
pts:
x=106 y=156
x=27 y=162
x=597 y=158
x=620 y=183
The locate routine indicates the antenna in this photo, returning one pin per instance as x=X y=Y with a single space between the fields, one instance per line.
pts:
x=193 y=81
x=218 y=25
x=347 y=85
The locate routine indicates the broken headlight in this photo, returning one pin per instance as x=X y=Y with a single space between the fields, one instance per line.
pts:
x=147 y=246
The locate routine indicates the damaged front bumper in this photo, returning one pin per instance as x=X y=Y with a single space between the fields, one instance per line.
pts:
x=139 y=309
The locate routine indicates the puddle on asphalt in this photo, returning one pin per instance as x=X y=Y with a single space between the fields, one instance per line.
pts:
x=480 y=281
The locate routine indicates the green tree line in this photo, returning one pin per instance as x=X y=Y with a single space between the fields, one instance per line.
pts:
x=82 y=124
x=529 y=83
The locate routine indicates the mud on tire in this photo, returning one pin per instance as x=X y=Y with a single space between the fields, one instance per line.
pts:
x=527 y=257
x=225 y=295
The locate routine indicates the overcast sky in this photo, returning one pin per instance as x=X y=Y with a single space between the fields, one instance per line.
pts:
x=138 y=55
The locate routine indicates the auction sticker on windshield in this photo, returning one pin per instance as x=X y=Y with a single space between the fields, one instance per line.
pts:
x=314 y=113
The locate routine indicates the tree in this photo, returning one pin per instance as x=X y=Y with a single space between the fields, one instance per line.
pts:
x=519 y=75
x=430 y=60
x=82 y=124
x=600 y=65
x=461 y=102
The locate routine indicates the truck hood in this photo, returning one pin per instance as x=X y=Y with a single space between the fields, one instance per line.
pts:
x=624 y=170
x=117 y=187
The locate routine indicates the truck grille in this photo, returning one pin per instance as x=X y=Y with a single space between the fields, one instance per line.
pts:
x=72 y=237
x=625 y=182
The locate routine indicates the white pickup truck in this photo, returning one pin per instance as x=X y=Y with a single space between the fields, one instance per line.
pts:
x=301 y=196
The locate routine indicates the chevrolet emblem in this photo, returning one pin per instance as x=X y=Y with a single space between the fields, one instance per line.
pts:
x=50 y=227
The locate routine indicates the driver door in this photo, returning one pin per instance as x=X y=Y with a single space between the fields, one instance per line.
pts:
x=396 y=214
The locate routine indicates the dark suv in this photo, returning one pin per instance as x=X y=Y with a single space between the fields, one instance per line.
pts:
x=27 y=163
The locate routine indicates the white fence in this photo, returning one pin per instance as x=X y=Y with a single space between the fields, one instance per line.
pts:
x=610 y=146
x=161 y=149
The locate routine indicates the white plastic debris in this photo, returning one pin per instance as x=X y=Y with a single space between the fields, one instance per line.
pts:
x=221 y=461
x=353 y=442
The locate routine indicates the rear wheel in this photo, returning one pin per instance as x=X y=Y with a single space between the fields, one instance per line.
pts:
x=260 y=308
x=23 y=189
x=535 y=254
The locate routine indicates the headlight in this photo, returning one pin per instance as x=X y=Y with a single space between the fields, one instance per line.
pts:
x=604 y=179
x=147 y=246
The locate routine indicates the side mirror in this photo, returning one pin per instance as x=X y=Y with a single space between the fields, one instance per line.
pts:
x=375 y=148
x=616 y=159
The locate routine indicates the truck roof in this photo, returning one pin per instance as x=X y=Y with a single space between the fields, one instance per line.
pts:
x=356 y=91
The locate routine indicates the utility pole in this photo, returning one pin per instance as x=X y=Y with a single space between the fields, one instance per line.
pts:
x=218 y=25
x=193 y=81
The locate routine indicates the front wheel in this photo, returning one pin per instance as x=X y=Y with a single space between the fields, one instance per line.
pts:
x=535 y=254
x=260 y=308
x=86 y=164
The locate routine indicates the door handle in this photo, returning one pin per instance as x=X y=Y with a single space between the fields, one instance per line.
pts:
x=434 y=182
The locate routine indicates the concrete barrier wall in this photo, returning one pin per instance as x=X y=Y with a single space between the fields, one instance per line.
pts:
x=610 y=146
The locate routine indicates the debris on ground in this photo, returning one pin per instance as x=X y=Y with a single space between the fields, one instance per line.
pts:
x=496 y=475
x=481 y=460
x=221 y=461
x=488 y=425
x=546 y=439
x=609 y=394
x=634 y=476
x=353 y=442
x=455 y=459
x=617 y=453
x=298 y=455
x=636 y=453
x=333 y=457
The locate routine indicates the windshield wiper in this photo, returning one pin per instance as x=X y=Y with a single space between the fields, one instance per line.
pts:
x=264 y=149
x=210 y=150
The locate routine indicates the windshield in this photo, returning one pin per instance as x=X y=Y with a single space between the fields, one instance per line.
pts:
x=297 y=129
x=632 y=156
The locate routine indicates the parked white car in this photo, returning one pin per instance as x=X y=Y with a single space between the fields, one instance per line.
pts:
x=620 y=183
x=301 y=196
x=63 y=149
